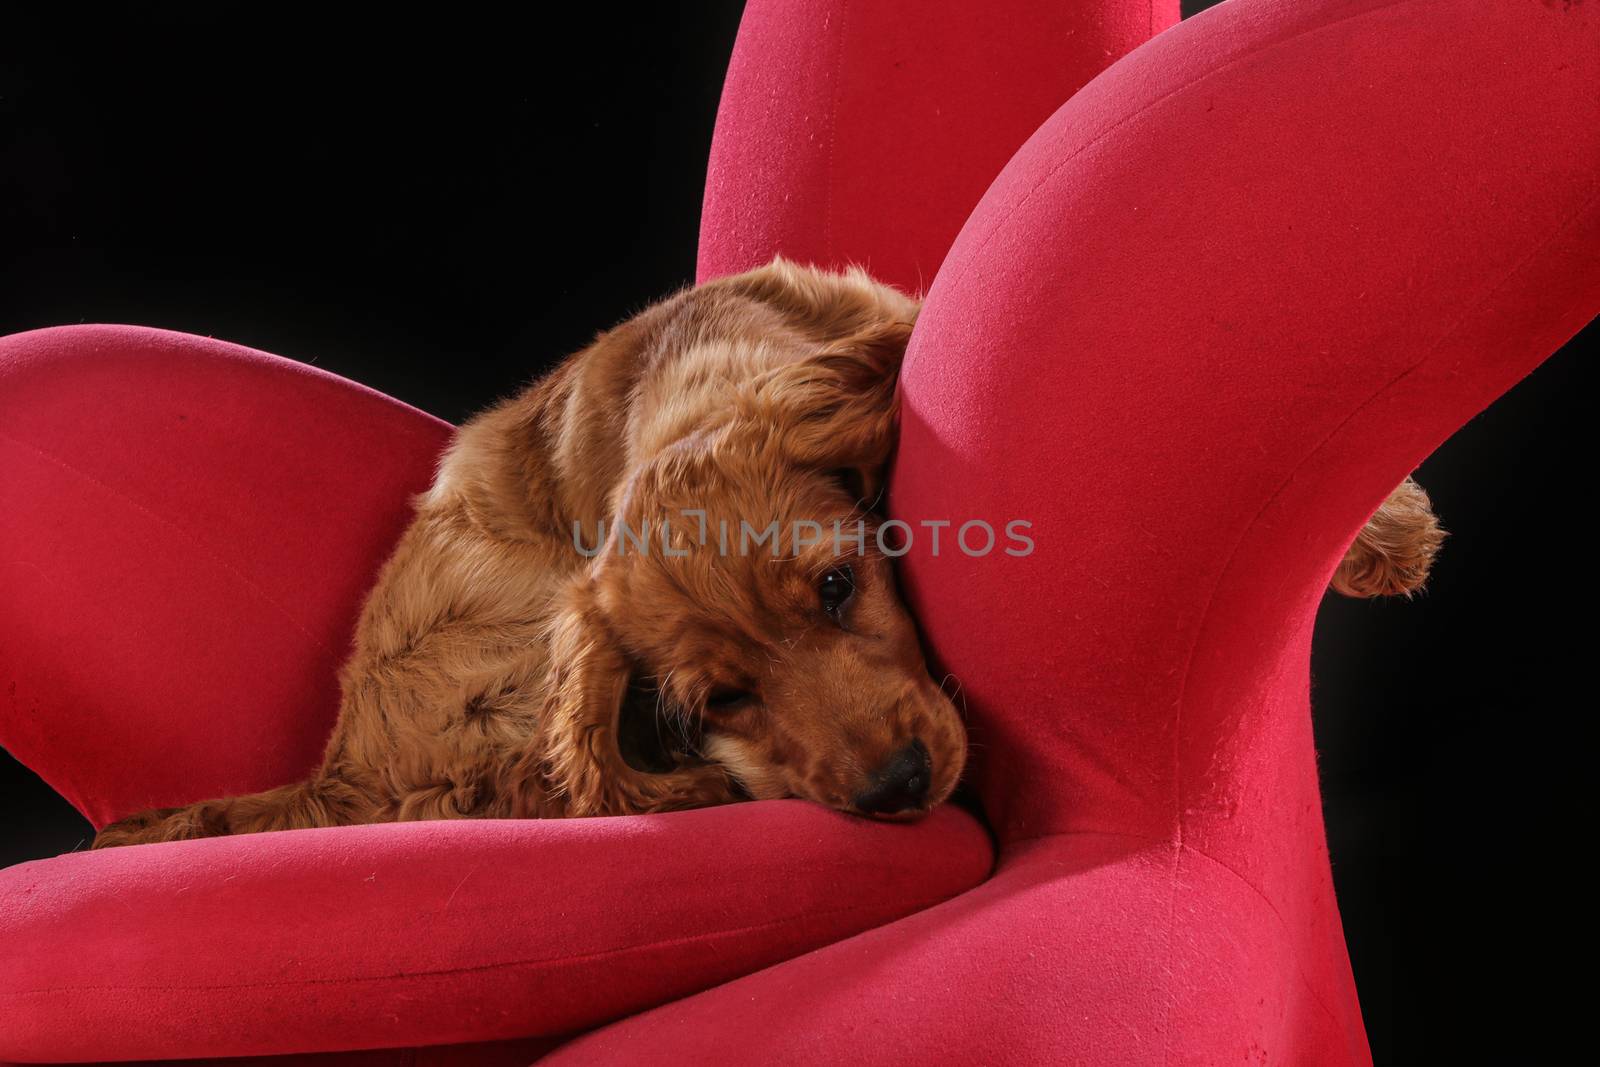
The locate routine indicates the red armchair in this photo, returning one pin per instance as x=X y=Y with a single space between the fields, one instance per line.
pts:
x=1215 y=307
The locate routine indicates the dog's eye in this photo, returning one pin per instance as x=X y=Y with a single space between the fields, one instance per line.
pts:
x=726 y=699
x=835 y=588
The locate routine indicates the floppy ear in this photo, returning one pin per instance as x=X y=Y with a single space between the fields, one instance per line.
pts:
x=578 y=758
x=838 y=409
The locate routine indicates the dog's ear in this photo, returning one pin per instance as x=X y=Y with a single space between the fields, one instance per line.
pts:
x=580 y=767
x=837 y=410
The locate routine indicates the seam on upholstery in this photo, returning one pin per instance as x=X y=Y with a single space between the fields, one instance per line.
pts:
x=1205 y=615
x=960 y=280
x=1178 y=846
x=185 y=534
x=1002 y=223
x=1185 y=847
x=443 y=972
x=1182 y=845
x=1299 y=967
x=1316 y=449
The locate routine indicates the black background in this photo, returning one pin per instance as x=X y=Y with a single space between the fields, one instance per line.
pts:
x=439 y=210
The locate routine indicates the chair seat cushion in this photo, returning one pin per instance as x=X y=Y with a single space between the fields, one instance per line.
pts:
x=435 y=932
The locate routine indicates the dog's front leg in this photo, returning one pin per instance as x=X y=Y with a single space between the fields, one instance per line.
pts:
x=586 y=775
x=574 y=764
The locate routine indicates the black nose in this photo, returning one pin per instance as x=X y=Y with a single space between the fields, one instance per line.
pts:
x=902 y=783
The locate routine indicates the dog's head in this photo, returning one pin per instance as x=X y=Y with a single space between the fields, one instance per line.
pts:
x=743 y=585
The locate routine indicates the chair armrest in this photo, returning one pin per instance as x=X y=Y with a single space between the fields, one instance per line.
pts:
x=408 y=934
x=187 y=530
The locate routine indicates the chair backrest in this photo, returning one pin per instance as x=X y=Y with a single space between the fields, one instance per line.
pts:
x=1196 y=330
x=1208 y=316
x=187 y=529
x=854 y=131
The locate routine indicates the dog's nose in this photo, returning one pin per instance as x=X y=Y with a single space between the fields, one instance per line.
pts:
x=901 y=784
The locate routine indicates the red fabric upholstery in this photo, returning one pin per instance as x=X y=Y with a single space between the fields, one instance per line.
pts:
x=424 y=933
x=1208 y=316
x=1222 y=301
x=859 y=131
x=187 y=529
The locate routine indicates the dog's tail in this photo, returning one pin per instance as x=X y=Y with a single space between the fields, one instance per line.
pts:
x=1394 y=551
x=318 y=802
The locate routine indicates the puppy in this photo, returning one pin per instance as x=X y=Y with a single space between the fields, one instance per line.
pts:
x=505 y=668
x=574 y=623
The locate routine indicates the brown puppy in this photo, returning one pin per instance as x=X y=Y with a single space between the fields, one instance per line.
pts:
x=502 y=668
x=577 y=621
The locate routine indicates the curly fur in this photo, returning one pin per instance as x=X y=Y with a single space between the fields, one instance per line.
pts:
x=492 y=659
x=1394 y=551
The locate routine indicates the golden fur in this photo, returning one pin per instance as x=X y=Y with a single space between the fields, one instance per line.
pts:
x=1394 y=551
x=493 y=661
x=498 y=671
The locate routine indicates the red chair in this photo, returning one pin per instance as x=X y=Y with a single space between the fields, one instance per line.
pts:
x=1199 y=325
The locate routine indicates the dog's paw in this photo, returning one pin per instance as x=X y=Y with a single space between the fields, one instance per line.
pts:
x=159 y=824
x=134 y=830
x=1394 y=552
